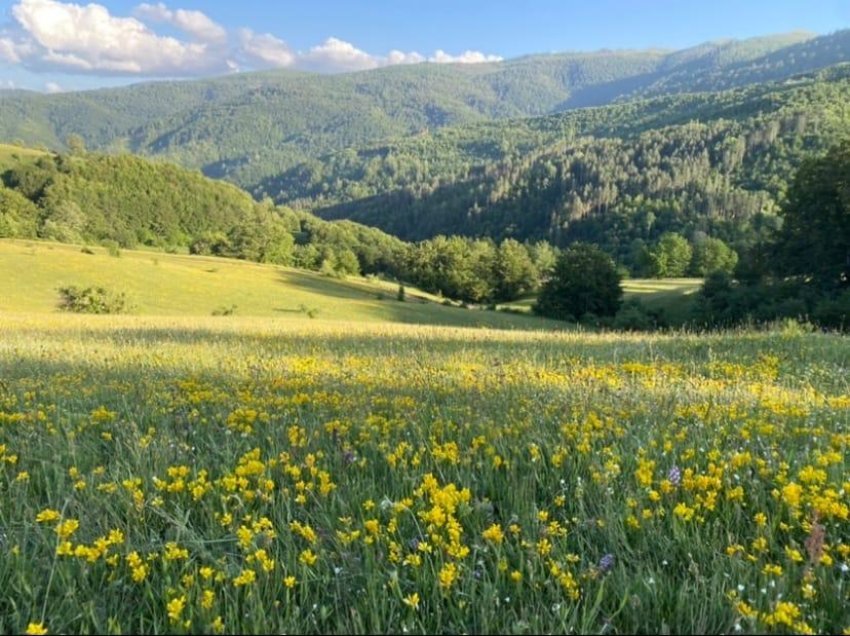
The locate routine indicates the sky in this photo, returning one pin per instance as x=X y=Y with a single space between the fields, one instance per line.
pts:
x=52 y=45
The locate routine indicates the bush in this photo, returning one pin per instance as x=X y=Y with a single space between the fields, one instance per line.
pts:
x=633 y=316
x=224 y=311
x=112 y=248
x=92 y=300
x=834 y=313
x=310 y=312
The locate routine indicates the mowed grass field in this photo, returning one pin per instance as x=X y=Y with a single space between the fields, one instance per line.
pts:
x=182 y=285
x=253 y=475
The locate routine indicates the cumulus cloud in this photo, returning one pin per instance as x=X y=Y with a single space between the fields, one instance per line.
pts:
x=8 y=51
x=338 y=55
x=195 y=23
x=467 y=57
x=89 y=38
x=265 y=49
x=53 y=87
x=7 y=85
x=400 y=57
x=52 y=35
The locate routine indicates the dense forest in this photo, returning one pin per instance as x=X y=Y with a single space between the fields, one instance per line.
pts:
x=710 y=164
x=250 y=127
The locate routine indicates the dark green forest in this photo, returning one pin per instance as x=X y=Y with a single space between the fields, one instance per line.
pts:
x=709 y=164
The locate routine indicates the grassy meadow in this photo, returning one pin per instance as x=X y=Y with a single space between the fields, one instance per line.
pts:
x=246 y=474
x=181 y=285
x=12 y=156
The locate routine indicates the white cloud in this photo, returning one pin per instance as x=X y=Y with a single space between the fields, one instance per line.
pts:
x=400 y=57
x=265 y=49
x=467 y=57
x=7 y=85
x=88 y=38
x=8 y=51
x=53 y=87
x=195 y=23
x=337 y=55
x=51 y=35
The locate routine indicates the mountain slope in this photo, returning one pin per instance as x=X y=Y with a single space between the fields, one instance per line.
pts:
x=249 y=127
x=708 y=163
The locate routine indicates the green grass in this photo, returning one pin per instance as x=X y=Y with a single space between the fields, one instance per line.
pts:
x=11 y=155
x=646 y=288
x=251 y=475
x=181 y=285
x=674 y=297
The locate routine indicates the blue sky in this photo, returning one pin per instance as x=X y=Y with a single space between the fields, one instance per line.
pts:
x=53 y=45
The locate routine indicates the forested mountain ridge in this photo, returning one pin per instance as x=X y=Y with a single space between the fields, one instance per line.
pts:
x=714 y=163
x=250 y=127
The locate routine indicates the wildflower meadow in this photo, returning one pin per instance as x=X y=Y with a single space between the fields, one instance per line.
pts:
x=246 y=475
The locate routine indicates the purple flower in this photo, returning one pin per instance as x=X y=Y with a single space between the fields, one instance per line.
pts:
x=606 y=563
x=674 y=476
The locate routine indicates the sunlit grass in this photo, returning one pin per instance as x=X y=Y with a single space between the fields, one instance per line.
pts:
x=12 y=156
x=173 y=284
x=170 y=474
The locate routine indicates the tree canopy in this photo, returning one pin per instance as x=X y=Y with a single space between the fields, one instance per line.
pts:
x=585 y=282
x=814 y=241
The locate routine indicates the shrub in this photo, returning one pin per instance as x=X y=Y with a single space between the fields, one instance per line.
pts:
x=311 y=312
x=633 y=316
x=112 y=248
x=224 y=311
x=92 y=300
x=834 y=313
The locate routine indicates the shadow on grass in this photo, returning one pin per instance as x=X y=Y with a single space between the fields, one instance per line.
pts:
x=380 y=304
x=324 y=286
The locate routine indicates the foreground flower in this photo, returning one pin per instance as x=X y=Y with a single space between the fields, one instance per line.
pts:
x=47 y=515
x=412 y=600
x=606 y=563
x=36 y=628
x=175 y=608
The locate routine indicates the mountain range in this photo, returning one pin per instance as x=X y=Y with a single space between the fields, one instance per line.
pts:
x=609 y=146
x=245 y=127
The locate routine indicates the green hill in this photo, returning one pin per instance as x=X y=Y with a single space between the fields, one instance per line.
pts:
x=248 y=127
x=180 y=285
x=710 y=163
x=124 y=201
x=130 y=201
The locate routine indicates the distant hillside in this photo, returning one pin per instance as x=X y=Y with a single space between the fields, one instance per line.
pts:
x=128 y=201
x=125 y=201
x=709 y=163
x=249 y=127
